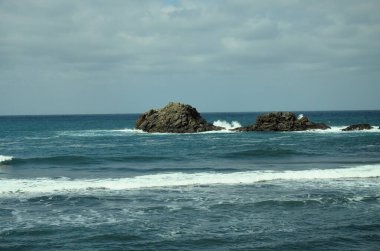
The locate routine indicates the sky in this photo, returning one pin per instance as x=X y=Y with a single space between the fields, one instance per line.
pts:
x=116 y=56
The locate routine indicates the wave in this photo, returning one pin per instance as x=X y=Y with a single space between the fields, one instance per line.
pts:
x=83 y=160
x=100 y=133
x=63 y=160
x=263 y=153
x=10 y=187
x=5 y=159
x=338 y=129
x=226 y=125
x=129 y=131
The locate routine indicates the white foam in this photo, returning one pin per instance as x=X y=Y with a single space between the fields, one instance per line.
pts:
x=338 y=129
x=137 y=131
x=10 y=187
x=128 y=130
x=97 y=133
x=5 y=158
x=227 y=125
x=300 y=116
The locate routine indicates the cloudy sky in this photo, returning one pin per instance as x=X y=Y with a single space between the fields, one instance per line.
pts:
x=116 y=56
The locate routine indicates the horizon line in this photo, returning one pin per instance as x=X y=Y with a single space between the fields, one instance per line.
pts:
x=137 y=113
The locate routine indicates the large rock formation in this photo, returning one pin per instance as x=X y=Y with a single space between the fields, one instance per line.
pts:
x=282 y=121
x=358 y=127
x=174 y=118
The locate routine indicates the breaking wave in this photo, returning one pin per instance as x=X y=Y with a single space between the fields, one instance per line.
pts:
x=175 y=179
x=100 y=133
x=338 y=129
x=227 y=125
x=5 y=158
x=264 y=153
x=82 y=160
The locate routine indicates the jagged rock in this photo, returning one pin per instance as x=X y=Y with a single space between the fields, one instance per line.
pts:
x=282 y=121
x=358 y=127
x=174 y=118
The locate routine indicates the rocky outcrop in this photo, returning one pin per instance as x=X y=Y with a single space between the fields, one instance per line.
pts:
x=358 y=127
x=283 y=121
x=174 y=118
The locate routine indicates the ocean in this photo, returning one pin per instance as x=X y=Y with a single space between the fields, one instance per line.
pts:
x=93 y=182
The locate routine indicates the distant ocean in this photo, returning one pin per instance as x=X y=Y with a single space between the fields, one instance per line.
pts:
x=93 y=182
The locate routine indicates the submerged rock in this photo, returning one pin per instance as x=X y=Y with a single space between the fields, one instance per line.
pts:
x=283 y=121
x=358 y=127
x=174 y=118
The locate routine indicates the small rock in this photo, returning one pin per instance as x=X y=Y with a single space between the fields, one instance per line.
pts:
x=358 y=127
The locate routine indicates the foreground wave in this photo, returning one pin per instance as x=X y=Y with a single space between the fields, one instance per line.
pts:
x=4 y=159
x=80 y=160
x=62 y=185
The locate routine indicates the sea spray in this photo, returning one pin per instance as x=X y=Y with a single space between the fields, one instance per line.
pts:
x=227 y=125
x=339 y=129
x=66 y=185
x=5 y=158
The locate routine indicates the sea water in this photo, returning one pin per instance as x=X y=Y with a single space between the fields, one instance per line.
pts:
x=93 y=182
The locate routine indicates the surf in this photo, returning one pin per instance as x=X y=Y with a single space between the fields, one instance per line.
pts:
x=5 y=159
x=62 y=160
x=226 y=125
x=176 y=179
x=338 y=129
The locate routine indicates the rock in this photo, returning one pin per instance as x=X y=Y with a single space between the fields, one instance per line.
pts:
x=282 y=121
x=358 y=127
x=174 y=118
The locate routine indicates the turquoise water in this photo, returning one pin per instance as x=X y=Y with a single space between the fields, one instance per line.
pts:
x=92 y=182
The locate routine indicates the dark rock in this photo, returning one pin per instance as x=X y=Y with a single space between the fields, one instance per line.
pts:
x=282 y=121
x=174 y=118
x=358 y=127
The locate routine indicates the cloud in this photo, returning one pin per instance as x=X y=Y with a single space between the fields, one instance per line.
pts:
x=152 y=35
x=88 y=41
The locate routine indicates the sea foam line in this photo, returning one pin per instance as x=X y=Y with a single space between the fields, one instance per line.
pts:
x=97 y=133
x=64 y=185
x=338 y=129
x=221 y=123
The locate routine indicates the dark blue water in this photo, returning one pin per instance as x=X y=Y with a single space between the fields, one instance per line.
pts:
x=92 y=182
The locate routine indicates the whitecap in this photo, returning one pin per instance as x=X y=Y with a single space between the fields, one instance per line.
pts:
x=128 y=130
x=5 y=158
x=99 y=133
x=227 y=125
x=11 y=187
x=338 y=129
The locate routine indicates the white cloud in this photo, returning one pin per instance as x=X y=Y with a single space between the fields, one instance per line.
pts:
x=71 y=41
x=188 y=33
